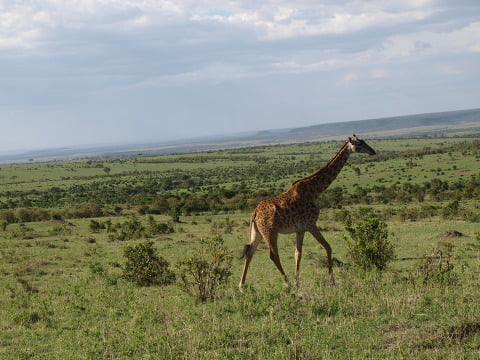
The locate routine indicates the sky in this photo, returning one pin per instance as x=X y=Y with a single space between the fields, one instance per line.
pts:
x=82 y=72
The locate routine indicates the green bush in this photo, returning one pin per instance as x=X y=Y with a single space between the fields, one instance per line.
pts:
x=154 y=228
x=368 y=246
x=202 y=274
x=130 y=229
x=451 y=209
x=144 y=267
x=133 y=229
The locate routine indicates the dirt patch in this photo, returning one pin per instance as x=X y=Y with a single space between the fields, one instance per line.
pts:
x=464 y=330
x=451 y=234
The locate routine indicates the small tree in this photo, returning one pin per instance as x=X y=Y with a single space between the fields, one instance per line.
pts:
x=202 y=274
x=451 y=209
x=368 y=246
x=144 y=267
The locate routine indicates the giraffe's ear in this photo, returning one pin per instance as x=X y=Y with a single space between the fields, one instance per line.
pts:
x=350 y=139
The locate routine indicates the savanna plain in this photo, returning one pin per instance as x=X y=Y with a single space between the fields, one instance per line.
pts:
x=66 y=229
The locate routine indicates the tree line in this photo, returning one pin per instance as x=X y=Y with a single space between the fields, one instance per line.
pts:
x=182 y=192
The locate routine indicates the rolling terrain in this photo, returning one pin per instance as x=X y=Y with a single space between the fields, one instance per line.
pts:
x=459 y=122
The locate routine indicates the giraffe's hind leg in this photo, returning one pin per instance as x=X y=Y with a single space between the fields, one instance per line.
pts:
x=255 y=238
x=298 y=256
x=275 y=256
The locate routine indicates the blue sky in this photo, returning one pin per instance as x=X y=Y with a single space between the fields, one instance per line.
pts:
x=111 y=71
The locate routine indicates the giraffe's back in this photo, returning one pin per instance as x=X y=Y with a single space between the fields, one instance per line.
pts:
x=285 y=214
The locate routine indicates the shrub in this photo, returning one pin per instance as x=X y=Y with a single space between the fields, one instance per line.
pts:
x=96 y=268
x=154 y=228
x=437 y=266
x=228 y=225
x=451 y=209
x=96 y=226
x=8 y=216
x=144 y=209
x=85 y=210
x=30 y=215
x=369 y=246
x=144 y=267
x=130 y=229
x=60 y=229
x=201 y=275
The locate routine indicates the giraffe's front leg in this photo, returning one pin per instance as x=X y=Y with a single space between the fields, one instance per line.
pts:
x=318 y=235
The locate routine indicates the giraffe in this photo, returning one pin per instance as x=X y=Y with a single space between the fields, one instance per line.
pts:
x=294 y=211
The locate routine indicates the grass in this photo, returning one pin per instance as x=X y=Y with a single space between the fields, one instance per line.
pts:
x=62 y=298
x=62 y=295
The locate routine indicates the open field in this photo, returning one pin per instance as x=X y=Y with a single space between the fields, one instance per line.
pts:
x=62 y=295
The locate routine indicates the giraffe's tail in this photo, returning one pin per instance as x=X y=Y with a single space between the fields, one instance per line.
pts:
x=252 y=228
x=245 y=250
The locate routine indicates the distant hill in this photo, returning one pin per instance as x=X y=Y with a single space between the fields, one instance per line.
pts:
x=449 y=123
x=412 y=125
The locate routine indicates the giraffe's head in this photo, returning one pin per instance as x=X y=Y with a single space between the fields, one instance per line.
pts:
x=360 y=146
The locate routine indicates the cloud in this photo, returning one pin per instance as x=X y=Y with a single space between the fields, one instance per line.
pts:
x=34 y=22
x=21 y=27
x=147 y=60
x=27 y=25
x=152 y=43
x=288 y=20
x=428 y=43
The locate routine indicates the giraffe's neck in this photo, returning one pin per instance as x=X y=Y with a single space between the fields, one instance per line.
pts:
x=316 y=183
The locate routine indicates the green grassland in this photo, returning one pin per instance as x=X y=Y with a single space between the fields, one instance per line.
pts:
x=62 y=295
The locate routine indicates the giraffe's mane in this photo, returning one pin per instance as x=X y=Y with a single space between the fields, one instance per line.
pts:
x=309 y=177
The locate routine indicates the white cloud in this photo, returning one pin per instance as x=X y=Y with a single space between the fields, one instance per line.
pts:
x=428 y=43
x=33 y=23
x=30 y=24
x=20 y=27
x=350 y=76
x=273 y=22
